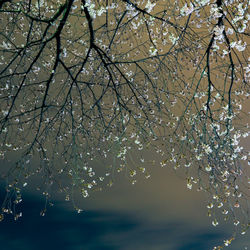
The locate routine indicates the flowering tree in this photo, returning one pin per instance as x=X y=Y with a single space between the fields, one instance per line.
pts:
x=84 y=82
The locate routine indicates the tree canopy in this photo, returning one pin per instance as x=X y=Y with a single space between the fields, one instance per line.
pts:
x=89 y=88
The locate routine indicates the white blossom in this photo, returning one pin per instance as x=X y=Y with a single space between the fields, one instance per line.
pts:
x=185 y=10
x=149 y=6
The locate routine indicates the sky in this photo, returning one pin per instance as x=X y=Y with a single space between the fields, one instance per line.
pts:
x=155 y=214
x=159 y=213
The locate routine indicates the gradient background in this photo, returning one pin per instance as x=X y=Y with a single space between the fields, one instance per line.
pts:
x=159 y=213
x=155 y=214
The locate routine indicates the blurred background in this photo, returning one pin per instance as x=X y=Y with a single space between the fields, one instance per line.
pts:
x=158 y=213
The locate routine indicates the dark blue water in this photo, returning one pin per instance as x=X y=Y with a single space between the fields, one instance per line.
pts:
x=66 y=230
